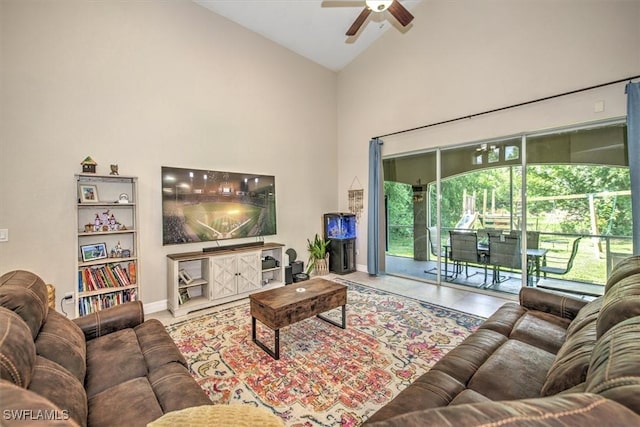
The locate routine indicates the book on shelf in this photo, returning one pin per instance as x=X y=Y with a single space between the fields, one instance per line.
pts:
x=93 y=303
x=106 y=276
x=132 y=272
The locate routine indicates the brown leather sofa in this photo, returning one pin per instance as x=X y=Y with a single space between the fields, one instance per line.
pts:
x=110 y=368
x=550 y=360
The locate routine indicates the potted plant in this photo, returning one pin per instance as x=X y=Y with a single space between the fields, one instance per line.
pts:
x=318 y=255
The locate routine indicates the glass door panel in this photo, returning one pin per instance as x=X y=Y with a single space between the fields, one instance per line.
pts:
x=480 y=195
x=408 y=243
x=579 y=198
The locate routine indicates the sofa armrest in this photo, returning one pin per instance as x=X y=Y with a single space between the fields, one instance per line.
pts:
x=112 y=319
x=578 y=409
x=549 y=302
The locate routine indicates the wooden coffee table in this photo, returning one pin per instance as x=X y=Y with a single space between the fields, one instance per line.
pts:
x=280 y=307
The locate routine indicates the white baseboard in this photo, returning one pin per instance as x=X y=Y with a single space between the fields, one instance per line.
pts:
x=156 y=306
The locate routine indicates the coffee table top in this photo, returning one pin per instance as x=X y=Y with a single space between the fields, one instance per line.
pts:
x=290 y=294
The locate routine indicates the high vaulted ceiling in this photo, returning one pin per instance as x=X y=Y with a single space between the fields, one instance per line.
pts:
x=314 y=29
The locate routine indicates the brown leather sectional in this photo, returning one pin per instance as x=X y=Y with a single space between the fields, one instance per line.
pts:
x=550 y=360
x=111 y=368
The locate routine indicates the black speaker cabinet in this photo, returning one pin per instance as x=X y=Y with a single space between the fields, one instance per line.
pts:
x=288 y=275
x=342 y=256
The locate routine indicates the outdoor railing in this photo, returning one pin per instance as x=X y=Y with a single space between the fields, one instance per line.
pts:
x=596 y=256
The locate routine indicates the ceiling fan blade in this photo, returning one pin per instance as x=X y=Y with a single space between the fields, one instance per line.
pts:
x=400 y=13
x=358 y=22
x=341 y=3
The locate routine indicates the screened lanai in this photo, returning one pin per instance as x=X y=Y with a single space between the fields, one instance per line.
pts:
x=549 y=209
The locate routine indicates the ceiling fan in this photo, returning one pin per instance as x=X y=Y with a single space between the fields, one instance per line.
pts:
x=398 y=11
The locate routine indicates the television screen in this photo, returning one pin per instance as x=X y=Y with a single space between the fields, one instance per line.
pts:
x=206 y=205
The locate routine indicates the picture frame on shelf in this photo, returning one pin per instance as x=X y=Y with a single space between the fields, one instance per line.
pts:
x=183 y=296
x=185 y=277
x=93 y=252
x=88 y=193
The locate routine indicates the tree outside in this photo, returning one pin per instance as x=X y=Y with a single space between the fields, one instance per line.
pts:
x=564 y=199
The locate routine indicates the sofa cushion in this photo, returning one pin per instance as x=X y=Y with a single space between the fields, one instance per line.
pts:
x=625 y=268
x=124 y=361
x=17 y=351
x=52 y=381
x=614 y=368
x=587 y=315
x=156 y=344
x=504 y=318
x=18 y=403
x=168 y=378
x=62 y=341
x=433 y=389
x=25 y=294
x=620 y=302
x=572 y=361
x=131 y=403
x=462 y=361
x=555 y=411
x=537 y=328
x=516 y=370
x=469 y=396
x=541 y=330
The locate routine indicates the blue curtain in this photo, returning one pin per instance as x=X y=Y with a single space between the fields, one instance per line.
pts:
x=375 y=215
x=633 y=144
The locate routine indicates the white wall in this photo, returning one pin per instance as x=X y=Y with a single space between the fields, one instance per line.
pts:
x=147 y=84
x=466 y=57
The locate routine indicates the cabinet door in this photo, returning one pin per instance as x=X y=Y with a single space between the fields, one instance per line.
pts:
x=223 y=276
x=249 y=272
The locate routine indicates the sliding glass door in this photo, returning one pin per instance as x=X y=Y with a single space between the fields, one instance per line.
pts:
x=408 y=210
x=480 y=192
x=567 y=229
x=579 y=199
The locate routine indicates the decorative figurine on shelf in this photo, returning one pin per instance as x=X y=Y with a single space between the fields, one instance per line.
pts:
x=104 y=222
x=114 y=170
x=113 y=224
x=89 y=165
x=117 y=250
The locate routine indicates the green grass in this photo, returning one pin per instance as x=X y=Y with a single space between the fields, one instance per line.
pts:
x=588 y=266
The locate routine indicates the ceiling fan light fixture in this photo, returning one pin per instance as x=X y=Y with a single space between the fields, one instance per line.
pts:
x=378 y=5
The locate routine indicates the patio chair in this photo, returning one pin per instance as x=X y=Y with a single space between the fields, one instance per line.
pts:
x=504 y=251
x=464 y=249
x=565 y=266
x=435 y=247
x=533 y=238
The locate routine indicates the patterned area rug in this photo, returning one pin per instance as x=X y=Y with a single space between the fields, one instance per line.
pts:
x=326 y=376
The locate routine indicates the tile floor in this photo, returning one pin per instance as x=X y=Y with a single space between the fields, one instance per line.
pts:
x=470 y=302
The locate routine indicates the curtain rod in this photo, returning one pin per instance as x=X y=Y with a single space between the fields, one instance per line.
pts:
x=546 y=98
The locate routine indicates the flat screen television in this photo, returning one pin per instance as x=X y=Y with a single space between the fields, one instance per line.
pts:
x=206 y=205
